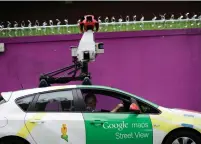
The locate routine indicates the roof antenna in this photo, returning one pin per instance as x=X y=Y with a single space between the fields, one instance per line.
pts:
x=20 y=83
x=21 y=86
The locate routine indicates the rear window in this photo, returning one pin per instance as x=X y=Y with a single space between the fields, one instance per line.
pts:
x=24 y=102
x=2 y=100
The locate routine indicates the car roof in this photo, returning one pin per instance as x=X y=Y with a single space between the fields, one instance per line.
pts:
x=25 y=92
x=38 y=90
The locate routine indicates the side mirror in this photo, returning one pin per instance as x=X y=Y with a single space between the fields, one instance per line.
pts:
x=134 y=108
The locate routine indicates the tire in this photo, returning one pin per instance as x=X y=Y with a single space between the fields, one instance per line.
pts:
x=183 y=133
x=13 y=141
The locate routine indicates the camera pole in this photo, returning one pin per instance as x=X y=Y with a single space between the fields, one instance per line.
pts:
x=87 y=23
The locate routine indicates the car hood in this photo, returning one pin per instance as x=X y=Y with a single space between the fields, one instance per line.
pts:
x=185 y=112
x=179 y=118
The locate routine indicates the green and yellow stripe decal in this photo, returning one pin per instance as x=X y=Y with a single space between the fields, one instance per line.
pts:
x=28 y=126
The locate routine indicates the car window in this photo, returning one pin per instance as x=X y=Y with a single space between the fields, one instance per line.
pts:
x=146 y=108
x=106 y=100
x=24 y=102
x=55 y=102
x=2 y=100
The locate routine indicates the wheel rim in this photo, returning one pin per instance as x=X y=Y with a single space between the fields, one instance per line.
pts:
x=183 y=140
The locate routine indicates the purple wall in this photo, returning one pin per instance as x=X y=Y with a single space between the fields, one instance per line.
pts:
x=161 y=66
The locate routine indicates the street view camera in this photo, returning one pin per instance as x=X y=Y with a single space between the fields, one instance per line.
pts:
x=85 y=52
x=87 y=49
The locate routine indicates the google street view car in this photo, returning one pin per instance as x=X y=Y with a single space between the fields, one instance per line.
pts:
x=59 y=115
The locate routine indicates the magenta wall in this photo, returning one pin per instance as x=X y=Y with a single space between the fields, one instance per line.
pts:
x=161 y=66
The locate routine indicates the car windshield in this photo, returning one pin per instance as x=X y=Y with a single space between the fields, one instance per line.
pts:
x=137 y=97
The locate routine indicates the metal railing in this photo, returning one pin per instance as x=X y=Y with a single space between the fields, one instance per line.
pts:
x=106 y=26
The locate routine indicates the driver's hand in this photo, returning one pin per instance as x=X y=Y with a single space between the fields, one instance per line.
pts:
x=120 y=105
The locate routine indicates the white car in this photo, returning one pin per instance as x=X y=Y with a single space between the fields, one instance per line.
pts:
x=57 y=115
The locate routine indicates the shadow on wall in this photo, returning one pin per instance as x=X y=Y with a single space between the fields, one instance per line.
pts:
x=165 y=70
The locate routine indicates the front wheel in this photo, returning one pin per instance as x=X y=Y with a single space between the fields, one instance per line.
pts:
x=13 y=141
x=183 y=137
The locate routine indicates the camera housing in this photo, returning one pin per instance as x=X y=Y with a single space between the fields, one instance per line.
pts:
x=99 y=48
x=88 y=55
x=87 y=49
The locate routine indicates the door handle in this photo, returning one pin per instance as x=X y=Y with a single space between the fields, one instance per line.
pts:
x=37 y=121
x=97 y=122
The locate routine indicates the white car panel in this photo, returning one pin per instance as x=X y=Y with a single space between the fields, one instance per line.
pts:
x=158 y=136
x=45 y=128
x=15 y=121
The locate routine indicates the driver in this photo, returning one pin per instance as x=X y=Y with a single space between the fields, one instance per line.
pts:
x=90 y=101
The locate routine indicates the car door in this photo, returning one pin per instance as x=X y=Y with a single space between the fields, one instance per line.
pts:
x=53 y=119
x=118 y=127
